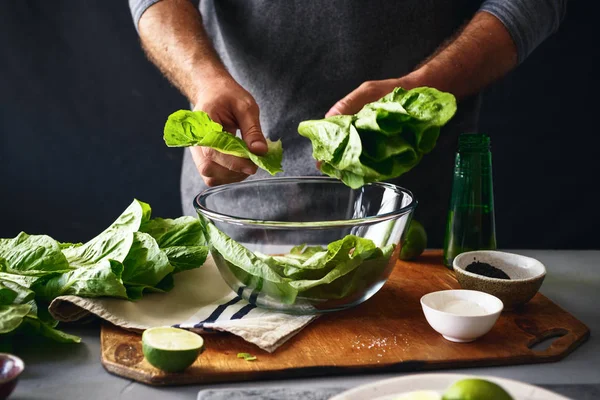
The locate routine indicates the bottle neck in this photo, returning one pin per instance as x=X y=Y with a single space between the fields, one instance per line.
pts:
x=474 y=156
x=473 y=143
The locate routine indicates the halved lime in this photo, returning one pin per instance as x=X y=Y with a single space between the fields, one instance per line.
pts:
x=171 y=349
x=420 y=395
x=475 y=389
x=415 y=241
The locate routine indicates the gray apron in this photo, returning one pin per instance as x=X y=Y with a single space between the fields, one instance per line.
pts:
x=298 y=57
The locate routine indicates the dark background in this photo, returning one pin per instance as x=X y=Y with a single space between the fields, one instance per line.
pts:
x=82 y=112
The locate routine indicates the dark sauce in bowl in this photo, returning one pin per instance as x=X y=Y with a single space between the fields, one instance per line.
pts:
x=485 y=269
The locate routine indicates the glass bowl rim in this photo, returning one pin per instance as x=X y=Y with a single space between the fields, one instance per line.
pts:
x=199 y=205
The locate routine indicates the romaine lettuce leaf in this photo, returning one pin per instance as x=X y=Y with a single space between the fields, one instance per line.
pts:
x=114 y=242
x=249 y=268
x=149 y=250
x=135 y=292
x=34 y=326
x=303 y=251
x=181 y=239
x=183 y=231
x=21 y=319
x=13 y=293
x=357 y=280
x=343 y=256
x=384 y=116
x=11 y=316
x=100 y=279
x=183 y=258
x=135 y=254
x=329 y=136
x=146 y=263
x=346 y=266
x=23 y=280
x=7 y=295
x=32 y=255
x=109 y=245
x=186 y=128
x=384 y=140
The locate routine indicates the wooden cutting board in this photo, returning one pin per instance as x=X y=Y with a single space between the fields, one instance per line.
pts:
x=386 y=333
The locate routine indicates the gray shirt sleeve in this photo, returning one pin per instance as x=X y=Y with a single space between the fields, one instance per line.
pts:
x=529 y=22
x=137 y=8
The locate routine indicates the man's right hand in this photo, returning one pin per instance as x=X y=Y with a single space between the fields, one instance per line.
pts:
x=175 y=40
x=227 y=103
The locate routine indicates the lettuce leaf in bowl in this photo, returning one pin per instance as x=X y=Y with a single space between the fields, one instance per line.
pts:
x=384 y=140
x=345 y=267
x=248 y=268
x=186 y=128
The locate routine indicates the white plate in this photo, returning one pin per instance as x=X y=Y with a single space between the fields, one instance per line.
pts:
x=388 y=389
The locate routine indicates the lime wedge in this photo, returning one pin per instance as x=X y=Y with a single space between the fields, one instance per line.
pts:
x=171 y=349
x=420 y=395
x=475 y=389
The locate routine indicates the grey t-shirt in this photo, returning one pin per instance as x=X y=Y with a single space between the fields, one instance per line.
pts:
x=298 y=57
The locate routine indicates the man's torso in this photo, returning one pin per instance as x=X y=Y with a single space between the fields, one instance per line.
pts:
x=298 y=57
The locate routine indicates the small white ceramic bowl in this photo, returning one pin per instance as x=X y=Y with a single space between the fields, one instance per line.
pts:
x=461 y=315
x=526 y=275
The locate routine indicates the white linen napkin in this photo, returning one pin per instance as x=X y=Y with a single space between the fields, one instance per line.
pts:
x=200 y=301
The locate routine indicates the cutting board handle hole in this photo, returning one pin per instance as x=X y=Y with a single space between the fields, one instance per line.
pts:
x=545 y=340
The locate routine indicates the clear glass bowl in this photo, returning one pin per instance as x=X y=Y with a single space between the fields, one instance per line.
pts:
x=267 y=218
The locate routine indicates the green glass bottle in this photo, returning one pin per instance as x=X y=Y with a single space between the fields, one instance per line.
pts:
x=471 y=223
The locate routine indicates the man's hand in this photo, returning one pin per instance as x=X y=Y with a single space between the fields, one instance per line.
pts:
x=365 y=93
x=174 y=39
x=227 y=103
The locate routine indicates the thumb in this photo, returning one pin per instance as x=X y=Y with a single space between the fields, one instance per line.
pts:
x=344 y=106
x=248 y=119
x=366 y=93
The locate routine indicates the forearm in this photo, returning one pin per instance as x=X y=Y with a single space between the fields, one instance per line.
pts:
x=479 y=55
x=175 y=41
x=501 y=35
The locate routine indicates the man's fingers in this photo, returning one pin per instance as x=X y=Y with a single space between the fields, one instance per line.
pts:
x=204 y=157
x=214 y=174
x=224 y=180
x=230 y=129
x=217 y=168
x=353 y=102
x=229 y=162
x=342 y=107
x=247 y=115
x=366 y=93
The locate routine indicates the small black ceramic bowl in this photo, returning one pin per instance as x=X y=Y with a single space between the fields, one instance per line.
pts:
x=10 y=369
